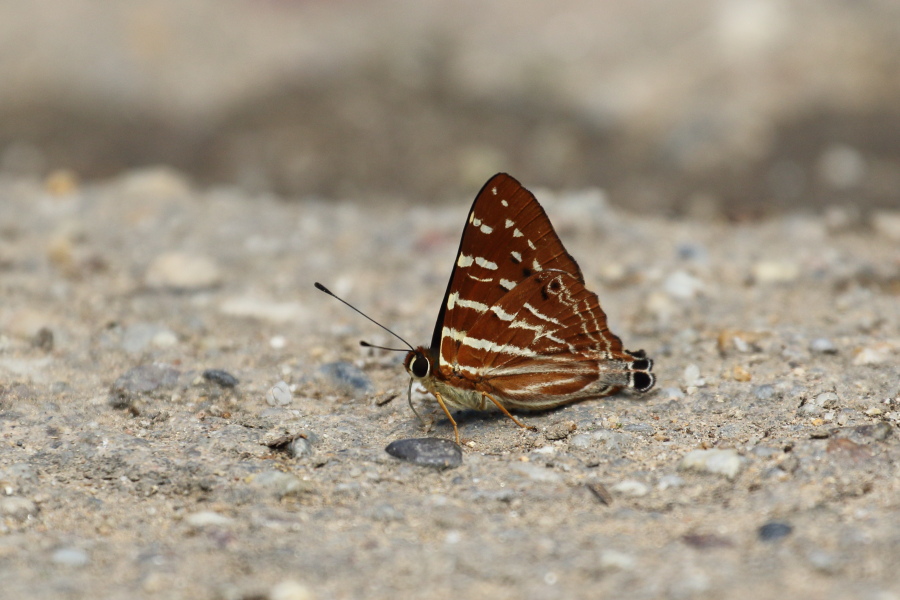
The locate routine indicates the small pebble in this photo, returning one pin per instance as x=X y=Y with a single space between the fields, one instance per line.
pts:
x=279 y=394
x=682 y=285
x=774 y=530
x=220 y=377
x=775 y=271
x=70 y=557
x=17 y=508
x=718 y=462
x=537 y=472
x=428 y=452
x=290 y=590
x=670 y=481
x=822 y=346
x=873 y=355
x=631 y=487
x=764 y=392
x=347 y=375
x=692 y=376
x=887 y=224
x=264 y=310
x=639 y=428
x=181 y=271
x=673 y=393
x=281 y=484
x=300 y=447
x=818 y=403
x=560 y=431
x=207 y=518
x=613 y=559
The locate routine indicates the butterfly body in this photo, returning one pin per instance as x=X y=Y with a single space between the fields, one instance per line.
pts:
x=517 y=328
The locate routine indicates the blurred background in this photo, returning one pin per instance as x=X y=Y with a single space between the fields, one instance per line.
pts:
x=735 y=108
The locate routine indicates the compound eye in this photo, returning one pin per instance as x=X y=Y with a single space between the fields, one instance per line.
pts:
x=419 y=366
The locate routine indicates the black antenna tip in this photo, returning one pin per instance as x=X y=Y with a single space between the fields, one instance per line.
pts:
x=322 y=288
x=365 y=344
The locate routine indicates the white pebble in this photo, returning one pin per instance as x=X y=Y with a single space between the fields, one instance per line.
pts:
x=290 y=590
x=182 y=271
x=692 y=376
x=279 y=394
x=682 y=285
x=718 y=462
x=631 y=487
x=70 y=557
x=775 y=271
x=207 y=518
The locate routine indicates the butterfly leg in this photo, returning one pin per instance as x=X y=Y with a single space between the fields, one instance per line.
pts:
x=507 y=413
x=449 y=416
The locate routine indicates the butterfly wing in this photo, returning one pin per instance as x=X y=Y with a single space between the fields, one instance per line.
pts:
x=547 y=343
x=507 y=238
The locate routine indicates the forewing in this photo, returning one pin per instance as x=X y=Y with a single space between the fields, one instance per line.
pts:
x=507 y=238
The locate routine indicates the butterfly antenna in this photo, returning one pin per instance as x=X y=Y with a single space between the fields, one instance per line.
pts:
x=366 y=344
x=322 y=288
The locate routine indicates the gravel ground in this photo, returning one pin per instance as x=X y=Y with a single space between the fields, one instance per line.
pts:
x=764 y=464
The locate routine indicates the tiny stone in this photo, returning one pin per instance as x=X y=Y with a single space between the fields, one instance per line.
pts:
x=347 y=375
x=182 y=271
x=220 y=377
x=822 y=346
x=43 y=339
x=773 y=531
x=887 y=224
x=428 y=452
x=631 y=487
x=673 y=393
x=879 y=431
x=670 y=481
x=70 y=557
x=281 y=484
x=537 y=472
x=300 y=447
x=692 y=376
x=639 y=428
x=279 y=394
x=764 y=392
x=560 y=431
x=207 y=518
x=774 y=271
x=873 y=355
x=290 y=590
x=613 y=559
x=581 y=440
x=17 y=508
x=682 y=285
x=719 y=462
x=277 y=342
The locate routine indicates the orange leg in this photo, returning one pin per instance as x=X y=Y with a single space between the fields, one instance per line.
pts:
x=447 y=412
x=507 y=413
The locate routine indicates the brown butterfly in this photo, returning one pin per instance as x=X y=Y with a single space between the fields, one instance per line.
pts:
x=517 y=328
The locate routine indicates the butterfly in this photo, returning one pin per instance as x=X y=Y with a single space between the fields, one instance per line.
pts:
x=517 y=328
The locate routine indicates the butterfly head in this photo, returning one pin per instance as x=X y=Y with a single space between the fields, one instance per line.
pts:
x=418 y=363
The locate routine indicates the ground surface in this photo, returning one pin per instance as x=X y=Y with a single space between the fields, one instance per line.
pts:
x=776 y=344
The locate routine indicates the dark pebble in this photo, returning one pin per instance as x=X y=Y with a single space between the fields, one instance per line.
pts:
x=220 y=377
x=346 y=374
x=774 y=531
x=429 y=452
